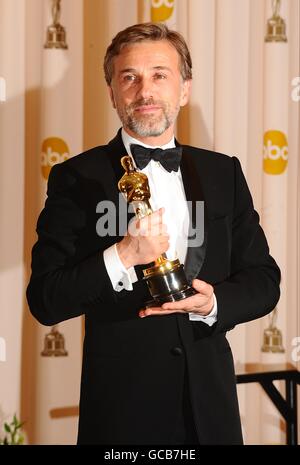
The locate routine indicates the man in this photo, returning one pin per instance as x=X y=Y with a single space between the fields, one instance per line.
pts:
x=159 y=375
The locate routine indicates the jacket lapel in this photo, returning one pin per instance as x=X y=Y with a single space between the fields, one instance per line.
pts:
x=193 y=190
x=116 y=151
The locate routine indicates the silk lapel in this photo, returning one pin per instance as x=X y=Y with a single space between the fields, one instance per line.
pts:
x=193 y=190
x=116 y=151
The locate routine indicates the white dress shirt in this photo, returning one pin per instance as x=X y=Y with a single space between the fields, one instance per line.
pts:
x=167 y=191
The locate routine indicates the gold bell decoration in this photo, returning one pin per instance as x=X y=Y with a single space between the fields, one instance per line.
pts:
x=56 y=33
x=272 y=336
x=276 y=26
x=54 y=344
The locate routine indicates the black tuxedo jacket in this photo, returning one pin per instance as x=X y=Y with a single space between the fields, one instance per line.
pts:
x=133 y=368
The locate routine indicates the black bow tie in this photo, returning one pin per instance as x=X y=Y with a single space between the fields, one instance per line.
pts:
x=168 y=158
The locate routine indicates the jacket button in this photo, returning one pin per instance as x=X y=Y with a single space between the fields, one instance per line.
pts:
x=176 y=351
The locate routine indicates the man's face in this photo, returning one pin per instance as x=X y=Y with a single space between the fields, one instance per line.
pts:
x=147 y=89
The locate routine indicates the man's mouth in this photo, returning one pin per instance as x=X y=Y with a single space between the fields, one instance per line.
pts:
x=147 y=108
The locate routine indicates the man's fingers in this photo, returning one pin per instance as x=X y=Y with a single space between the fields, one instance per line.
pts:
x=157 y=215
x=152 y=224
x=202 y=287
x=185 y=304
x=161 y=211
x=157 y=311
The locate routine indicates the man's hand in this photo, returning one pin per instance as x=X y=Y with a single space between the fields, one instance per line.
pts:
x=146 y=240
x=201 y=303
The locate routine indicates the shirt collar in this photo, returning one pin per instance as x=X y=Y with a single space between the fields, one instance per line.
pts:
x=127 y=140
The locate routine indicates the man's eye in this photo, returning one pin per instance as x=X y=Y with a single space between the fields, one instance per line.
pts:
x=129 y=77
x=160 y=76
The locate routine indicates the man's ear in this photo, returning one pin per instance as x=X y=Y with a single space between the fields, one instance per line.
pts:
x=112 y=98
x=185 y=92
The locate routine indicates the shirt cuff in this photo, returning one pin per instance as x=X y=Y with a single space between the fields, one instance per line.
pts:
x=209 y=319
x=120 y=277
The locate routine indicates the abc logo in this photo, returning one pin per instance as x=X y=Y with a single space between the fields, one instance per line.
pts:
x=54 y=150
x=275 y=152
x=161 y=10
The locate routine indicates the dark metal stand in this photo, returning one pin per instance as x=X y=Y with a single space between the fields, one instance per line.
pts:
x=265 y=374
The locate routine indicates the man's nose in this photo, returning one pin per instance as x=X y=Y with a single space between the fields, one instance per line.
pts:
x=145 y=89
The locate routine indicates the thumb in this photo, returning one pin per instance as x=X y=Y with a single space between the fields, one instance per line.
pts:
x=161 y=211
x=201 y=286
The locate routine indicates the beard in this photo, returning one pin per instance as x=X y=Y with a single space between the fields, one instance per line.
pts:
x=148 y=125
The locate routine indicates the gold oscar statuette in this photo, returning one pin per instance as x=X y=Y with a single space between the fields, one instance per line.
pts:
x=166 y=279
x=56 y=33
x=54 y=344
x=276 y=26
x=272 y=336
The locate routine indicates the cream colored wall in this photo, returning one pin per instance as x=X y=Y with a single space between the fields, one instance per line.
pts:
x=54 y=99
x=12 y=61
x=225 y=113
